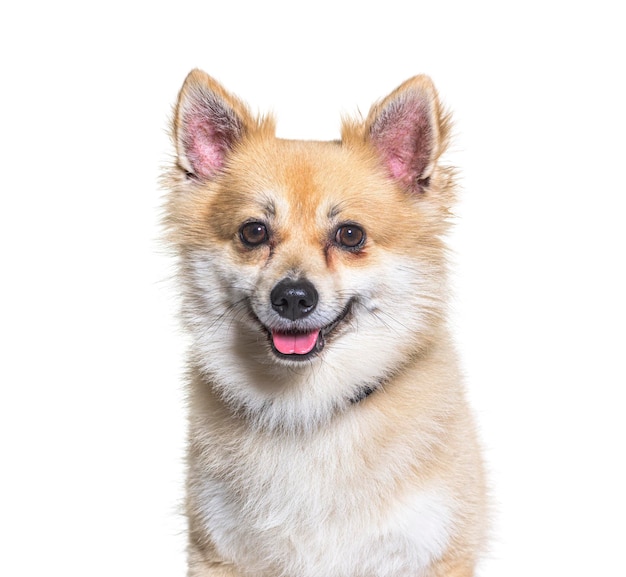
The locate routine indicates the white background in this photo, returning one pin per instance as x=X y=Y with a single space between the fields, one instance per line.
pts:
x=91 y=409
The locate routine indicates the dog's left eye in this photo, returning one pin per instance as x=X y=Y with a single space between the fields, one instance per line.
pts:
x=350 y=236
x=253 y=233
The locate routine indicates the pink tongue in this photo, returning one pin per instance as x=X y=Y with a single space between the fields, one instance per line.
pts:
x=299 y=344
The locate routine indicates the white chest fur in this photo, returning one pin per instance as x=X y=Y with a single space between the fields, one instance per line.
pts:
x=287 y=513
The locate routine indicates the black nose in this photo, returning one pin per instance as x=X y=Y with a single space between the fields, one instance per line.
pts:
x=294 y=299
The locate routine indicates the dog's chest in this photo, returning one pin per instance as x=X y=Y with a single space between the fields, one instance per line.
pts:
x=313 y=513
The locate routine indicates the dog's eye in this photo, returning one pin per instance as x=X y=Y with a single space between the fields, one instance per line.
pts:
x=350 y=237
x=253 y=233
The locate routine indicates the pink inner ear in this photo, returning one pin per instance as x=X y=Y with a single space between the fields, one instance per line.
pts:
x=403 y=136
x=204 y=147
x=209 y=129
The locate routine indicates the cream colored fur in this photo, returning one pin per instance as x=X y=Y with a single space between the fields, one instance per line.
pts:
x=294 y=469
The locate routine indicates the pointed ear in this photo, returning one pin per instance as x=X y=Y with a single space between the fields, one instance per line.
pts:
x=208 y=123
x=407 y=131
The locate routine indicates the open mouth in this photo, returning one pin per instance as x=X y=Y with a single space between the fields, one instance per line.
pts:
x=302 y=345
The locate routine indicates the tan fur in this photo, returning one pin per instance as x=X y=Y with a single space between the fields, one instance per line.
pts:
x=287 y=475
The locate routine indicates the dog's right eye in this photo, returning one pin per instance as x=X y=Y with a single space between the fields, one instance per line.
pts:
x=253 y=234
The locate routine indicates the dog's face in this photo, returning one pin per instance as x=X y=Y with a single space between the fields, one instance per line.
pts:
x=312 y=270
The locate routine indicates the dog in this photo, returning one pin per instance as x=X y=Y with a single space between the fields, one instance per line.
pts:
x=329 y=434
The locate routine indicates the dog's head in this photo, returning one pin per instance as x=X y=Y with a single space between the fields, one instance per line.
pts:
x=312 y=271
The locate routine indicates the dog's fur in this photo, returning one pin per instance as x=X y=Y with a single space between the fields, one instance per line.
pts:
x=355 y=454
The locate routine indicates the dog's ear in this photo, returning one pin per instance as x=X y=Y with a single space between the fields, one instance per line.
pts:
x=408 y=132
x=208 y=123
